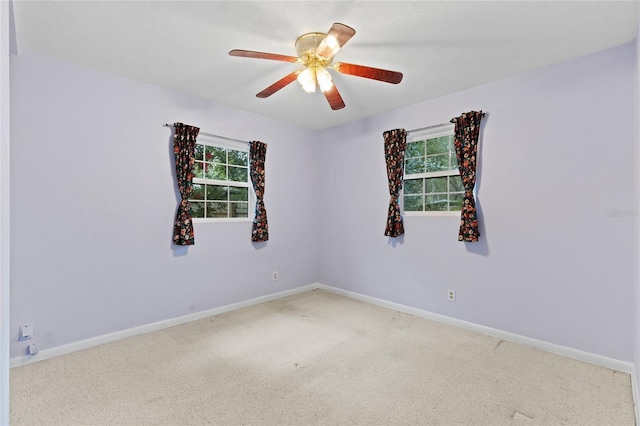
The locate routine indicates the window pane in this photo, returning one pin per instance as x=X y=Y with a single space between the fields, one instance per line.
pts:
x=438 y=184
x=238 y=194
x=199 y=152
x=197 y=192
x=454 y=161
x=455 y=201
x=238 y=158
x=438 y=193
x=238 y=174
x=437 y=163
x=455 y=184
x=438 y=145
x=239 y=209
x=214 y=154
x=415 y=149
x=452 y=148
x=217 y=192
x=414 y=165
x=215 y=171
x=220 y=201
x=196 y=208
x=413 y=186
x=436 y=202
x=217 y=209
x=198 y=170
x=413 y=203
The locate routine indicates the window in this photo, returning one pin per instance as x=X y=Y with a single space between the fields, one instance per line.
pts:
x=221 y=186
x=432 y=183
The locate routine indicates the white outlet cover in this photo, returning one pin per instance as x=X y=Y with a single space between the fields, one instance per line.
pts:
x=26 y=331
x=451 y=295
x=33 y=348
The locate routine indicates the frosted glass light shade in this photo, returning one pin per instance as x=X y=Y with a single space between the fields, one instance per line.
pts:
x=324 y=79
x=307 y=80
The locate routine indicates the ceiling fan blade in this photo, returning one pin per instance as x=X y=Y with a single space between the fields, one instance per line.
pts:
x=387 y=76
x=278 y=85
x=334 y=98
x=337 y=36
x=262 y=55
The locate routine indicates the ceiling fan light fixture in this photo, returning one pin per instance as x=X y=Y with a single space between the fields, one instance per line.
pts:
x=315 y=54
x=324 y=79
x=307 y=79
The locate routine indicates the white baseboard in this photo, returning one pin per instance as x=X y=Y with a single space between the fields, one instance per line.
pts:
x=118 y=335
x=635 y=390
x=614 y=364
x=623 y=366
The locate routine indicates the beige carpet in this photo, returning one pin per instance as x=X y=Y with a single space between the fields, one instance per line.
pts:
x=317 y=358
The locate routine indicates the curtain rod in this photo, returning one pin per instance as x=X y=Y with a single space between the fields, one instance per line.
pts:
x=435 y=126
x=213 y=136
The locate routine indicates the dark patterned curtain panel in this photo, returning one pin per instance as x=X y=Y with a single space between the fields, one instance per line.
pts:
x=257 y=156
x=395 y=145
x=184 y=143
x=467 y=132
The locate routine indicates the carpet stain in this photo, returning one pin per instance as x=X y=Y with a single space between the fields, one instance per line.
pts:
x=154 y=400
x=518 y=416
x=498 y=345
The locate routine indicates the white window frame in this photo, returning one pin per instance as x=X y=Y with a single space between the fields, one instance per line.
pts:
x=415 y=136
x=237 y=146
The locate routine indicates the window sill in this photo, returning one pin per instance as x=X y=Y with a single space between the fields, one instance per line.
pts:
x=222 y=219
x=434 y=214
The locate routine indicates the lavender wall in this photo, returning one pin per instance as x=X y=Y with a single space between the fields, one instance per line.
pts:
x=557 y=153
x=93 y=201
x=91 y=250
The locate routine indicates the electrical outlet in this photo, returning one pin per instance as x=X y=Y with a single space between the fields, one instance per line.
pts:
x=275 y=275
x=451 y=295
x=26 y=331
x=33 y=348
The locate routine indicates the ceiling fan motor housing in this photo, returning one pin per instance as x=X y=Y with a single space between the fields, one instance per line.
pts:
x=309 y=42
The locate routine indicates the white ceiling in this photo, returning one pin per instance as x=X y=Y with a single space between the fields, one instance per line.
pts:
x=441 y=47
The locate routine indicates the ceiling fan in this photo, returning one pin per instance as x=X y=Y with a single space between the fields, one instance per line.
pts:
x=315 y=53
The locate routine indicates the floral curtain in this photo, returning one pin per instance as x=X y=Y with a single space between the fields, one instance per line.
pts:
x=467 y=132
x=395 y=145
x=184 y=143
x=257 y=155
